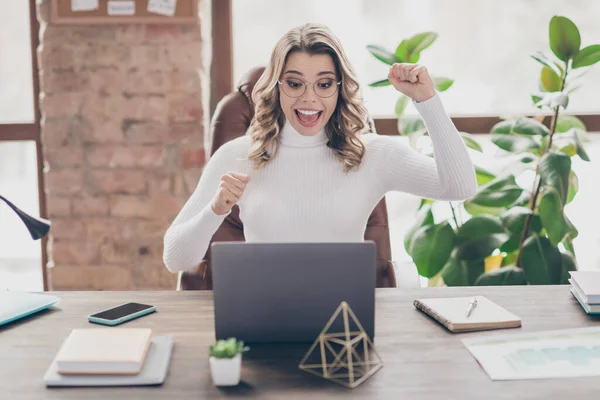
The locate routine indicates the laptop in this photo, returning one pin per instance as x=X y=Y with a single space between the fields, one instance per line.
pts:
x=15 y=305
x=287 y=292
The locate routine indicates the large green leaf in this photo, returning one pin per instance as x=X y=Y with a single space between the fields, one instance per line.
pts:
x=500 y=192
x=568 y=264
x=554 y=171
x=401 y=105
x=442 y=84
x=552 y=215
x=424 y=217
x=402 y=52
x=420 y=42
x=476 y=209
x=503 y=127
x=462 y=273
x=568 y=243
x=470 y=141
x=381 y=83
x=564 y=38
x=483 y=176
x=543 y=59
x=430 y=248
x=573 y=186
x=410 y=125
x=513 y=221
x=580 y=149
x=382 y=54
x=515 y=143
x=541 y=262
x=509 y=275
x=587 y=56
x=478 y=226
x=550 y=80
x=529 y=126
x=480 y=247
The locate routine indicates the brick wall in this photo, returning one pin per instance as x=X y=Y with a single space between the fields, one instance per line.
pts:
x=122 y=131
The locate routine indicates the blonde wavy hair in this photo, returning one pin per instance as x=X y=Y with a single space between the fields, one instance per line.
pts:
x=349 y=119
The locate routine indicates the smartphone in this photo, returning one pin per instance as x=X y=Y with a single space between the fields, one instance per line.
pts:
x=118 y=315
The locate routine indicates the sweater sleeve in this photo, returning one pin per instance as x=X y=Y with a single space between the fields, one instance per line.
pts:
x=188 y=237
x=449 y=175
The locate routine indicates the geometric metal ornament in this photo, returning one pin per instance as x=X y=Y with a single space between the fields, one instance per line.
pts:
x=347 y=358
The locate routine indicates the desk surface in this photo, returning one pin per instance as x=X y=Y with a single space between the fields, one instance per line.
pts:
x=422 y=360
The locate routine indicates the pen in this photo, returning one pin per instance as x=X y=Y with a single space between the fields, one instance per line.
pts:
x=472 y=305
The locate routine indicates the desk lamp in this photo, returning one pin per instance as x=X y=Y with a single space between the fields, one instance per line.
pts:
x=37 y=227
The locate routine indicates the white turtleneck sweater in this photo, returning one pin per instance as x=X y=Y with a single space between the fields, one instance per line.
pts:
x=303 y=194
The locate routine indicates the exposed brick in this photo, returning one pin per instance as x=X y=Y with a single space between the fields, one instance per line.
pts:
x=64 y=181
x=65 y=156
x=87 y=205
x=166 y=33
x=185 y=107
x=68 y=228
x=118 y=181
x=145 y=207
x=152 y=57
x=147 y=132
x=61 y=104
x=58 y=56
x=131 y=33
x=186 y=81
x=152 y=108
x=185 y=54
x=55 y=132
x=149 y=275
x=159 y=182
x=184 y=132
x=155 y=228
x=105 y=54
x=62 y=80
x=147 y=82
x=95 y=277
x=192 y=157
x=73 y=252
x=119 y=228
x=100 y=131
x=127 y=157
x=117 y=251
x=78 y=34
x=98 y=107
x=105 y=80
x=191 y=177
x=58 y=206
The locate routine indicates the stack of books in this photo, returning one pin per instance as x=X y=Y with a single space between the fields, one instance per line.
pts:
x=585 y=286
x=110 y=357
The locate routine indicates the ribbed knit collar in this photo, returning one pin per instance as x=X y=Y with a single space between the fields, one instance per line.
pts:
x=289 y=136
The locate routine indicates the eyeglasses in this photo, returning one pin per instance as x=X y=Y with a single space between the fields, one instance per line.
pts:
x=324 y=87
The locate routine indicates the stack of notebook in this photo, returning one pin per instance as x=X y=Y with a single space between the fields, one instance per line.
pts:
x=110 y=357
x=585 y=286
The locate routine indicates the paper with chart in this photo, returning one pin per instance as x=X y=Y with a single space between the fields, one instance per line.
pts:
x=550 y=354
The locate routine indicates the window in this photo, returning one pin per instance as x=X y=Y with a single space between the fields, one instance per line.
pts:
x=484 y=45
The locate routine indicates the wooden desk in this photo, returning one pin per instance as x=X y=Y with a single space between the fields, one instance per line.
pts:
x=422 y=360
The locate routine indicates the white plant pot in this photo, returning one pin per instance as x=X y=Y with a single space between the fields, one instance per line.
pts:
x=226 y=371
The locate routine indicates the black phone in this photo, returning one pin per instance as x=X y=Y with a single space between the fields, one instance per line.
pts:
x=122 y=313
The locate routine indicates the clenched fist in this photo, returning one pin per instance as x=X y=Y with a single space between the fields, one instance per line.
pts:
x=230 y=190
x=412 y=80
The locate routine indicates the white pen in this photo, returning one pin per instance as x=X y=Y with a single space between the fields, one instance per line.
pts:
x=472 y=305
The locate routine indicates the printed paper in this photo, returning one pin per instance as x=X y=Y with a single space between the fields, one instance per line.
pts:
x=121 y=7
x=84 y=5
x=163 y=7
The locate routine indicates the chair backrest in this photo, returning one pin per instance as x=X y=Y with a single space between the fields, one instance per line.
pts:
x=231 y=120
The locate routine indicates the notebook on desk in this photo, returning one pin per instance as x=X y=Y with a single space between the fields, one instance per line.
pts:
x=451 y=312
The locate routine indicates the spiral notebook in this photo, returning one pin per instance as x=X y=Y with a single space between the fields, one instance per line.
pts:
x=451 y=312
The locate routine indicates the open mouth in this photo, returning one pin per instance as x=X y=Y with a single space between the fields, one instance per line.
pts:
x=308 y=118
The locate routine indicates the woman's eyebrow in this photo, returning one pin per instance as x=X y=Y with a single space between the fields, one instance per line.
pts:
x=325 y=73
x=292 y=71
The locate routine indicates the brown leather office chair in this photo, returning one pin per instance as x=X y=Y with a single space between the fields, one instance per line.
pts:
x=231 y=119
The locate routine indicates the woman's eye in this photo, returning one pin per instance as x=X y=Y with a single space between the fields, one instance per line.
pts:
x=293 y=84
x=325 y=85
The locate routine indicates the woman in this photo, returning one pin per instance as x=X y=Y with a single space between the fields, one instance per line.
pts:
x=306 y=172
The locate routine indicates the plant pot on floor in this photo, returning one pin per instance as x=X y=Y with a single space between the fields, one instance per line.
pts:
x=226 y=371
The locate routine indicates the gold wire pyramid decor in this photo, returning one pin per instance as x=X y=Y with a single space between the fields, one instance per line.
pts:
x=347 y=358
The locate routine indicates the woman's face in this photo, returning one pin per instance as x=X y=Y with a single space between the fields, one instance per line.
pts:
x=308 y=92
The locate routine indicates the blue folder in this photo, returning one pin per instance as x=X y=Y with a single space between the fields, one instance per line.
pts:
x=15 y=305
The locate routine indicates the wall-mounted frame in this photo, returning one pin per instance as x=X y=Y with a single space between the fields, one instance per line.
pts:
x=186 y=12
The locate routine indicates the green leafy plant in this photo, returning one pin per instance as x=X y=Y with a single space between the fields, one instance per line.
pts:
x=228 y=348
x=514 y=235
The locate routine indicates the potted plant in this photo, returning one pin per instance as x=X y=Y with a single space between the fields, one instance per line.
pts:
x=226 y=361
x=511 y=234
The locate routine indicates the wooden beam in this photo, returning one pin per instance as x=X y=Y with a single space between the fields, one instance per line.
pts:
x=221 y=71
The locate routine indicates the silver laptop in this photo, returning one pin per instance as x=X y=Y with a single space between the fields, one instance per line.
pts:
x=287 y=292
